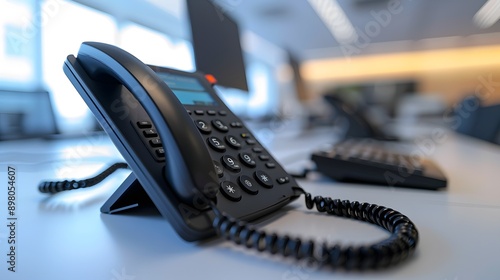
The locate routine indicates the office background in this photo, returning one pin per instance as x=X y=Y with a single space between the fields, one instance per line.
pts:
x=407 y=63
x=370 y=47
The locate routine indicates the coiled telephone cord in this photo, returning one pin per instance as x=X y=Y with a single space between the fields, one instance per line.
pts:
x=398 y=247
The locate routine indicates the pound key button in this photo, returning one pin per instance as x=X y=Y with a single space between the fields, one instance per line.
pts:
x=230 y=190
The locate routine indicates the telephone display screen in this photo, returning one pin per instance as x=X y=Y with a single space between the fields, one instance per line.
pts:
x=188 y=90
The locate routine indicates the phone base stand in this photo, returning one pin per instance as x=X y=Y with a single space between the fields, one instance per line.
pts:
x=129 y=195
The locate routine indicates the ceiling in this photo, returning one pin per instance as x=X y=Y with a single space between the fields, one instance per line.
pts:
x=294 y=25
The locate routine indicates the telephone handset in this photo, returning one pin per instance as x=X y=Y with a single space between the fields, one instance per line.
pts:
x=180 y=153
x=202 y=168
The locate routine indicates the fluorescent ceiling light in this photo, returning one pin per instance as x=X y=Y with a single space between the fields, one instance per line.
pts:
x=335 y=20
x=488 y=14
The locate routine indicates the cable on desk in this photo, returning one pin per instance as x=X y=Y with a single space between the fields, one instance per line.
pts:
x=52 y=187
x=398 y=247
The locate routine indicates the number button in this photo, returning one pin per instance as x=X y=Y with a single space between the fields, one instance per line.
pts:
x=220 y=125
x=216 y=144
x=264 y=179
x=203 y=126
x=230 y=190
x=231 y=163
x=231 y=141
x=248 y=185
x=247 y=159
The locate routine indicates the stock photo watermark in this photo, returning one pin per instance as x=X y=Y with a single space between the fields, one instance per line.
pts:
x=12 y=219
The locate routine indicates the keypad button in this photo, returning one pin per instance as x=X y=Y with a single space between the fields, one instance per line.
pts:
x=222 y=113
x=216 y=144
x=221 y=126
x=144 y=124
x=264 y=157
x=257 y=149
x=150 y=133
x=211 y=112
x=264 y=179
x=155 y=142
x=231 y=163
x=160 y=152
x=251 y=142
x=283 y=180
x=199 y=112
x=248 y=184
x=233 y=142
x=270 y=165
x=218 y=169
x=236 y=124
x=230 y=190
x=247 y=159
x=203 y=126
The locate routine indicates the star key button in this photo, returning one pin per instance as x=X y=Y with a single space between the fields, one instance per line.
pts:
x=264 y=179
x=230 y=190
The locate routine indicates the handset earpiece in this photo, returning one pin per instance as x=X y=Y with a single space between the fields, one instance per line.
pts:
x=189 y=167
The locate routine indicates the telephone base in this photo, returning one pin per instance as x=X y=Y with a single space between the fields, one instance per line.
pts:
x=129 y=195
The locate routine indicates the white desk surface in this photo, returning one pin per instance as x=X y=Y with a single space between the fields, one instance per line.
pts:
x=66 y=236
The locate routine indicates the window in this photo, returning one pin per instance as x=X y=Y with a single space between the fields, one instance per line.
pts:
x=155 y=48
x=62 y=35
x=18 y=45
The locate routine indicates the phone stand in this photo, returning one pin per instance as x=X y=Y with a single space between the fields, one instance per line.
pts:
x=129 y=195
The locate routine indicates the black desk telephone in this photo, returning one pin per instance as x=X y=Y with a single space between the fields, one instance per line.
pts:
x=202 y=168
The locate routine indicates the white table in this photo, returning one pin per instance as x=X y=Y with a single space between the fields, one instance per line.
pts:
x=66 y=236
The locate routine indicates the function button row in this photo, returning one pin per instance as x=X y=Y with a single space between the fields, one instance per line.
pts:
x=208 y=112
x=154 y=141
